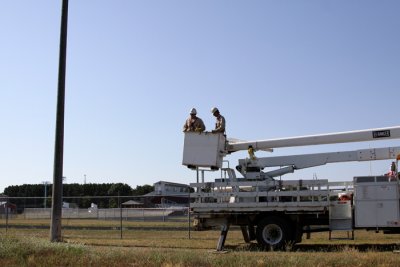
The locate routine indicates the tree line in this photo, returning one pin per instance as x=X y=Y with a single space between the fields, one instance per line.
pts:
x=106 y=195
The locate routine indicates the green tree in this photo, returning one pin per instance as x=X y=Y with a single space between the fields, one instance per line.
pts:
x=141 y=190
x=120 y=189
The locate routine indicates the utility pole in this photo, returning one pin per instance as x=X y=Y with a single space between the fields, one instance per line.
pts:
x=56 y=208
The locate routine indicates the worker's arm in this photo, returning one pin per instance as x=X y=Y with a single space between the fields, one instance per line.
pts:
x=186 y=127
x=220 y=126
x=200 y=127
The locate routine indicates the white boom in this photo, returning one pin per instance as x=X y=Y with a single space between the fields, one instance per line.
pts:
x=321 y=139
x=251 y=168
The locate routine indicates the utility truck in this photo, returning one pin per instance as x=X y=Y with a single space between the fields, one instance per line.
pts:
x=277 y=212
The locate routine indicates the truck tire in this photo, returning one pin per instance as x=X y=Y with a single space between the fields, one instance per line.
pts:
x=273 y=233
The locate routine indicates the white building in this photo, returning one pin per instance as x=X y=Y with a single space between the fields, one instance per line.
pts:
x=173 y=189
x=168 y=194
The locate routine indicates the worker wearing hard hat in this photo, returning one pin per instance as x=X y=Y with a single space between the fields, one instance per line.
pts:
x=194 y=123
x=220 y=121
x=393 y=172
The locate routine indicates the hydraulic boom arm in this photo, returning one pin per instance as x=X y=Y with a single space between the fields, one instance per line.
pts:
x=251 y=168
x=321 y=139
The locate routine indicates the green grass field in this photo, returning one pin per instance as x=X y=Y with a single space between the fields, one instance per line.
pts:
x=158 y=244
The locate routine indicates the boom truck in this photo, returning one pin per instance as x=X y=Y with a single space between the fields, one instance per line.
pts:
x=276 y=212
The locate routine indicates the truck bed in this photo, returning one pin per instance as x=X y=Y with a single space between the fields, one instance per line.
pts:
x=227 y=196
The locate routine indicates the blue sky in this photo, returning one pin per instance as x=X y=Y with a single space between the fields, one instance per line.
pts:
x=136 y=68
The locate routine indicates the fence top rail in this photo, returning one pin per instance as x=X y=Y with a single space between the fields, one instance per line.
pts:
x=68 y=197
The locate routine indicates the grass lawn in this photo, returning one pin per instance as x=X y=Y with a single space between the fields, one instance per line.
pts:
x=158 y=247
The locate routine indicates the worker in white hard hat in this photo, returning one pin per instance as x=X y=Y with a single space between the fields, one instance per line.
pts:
x=220 y=121
x=194 y=123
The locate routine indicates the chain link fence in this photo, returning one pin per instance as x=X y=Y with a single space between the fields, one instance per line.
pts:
x=127 y=214
x=35 y=213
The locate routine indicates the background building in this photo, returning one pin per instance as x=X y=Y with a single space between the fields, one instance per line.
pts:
x=168 y=194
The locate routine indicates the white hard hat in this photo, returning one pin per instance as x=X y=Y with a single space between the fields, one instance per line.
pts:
x=213 y=110
x=193 y=111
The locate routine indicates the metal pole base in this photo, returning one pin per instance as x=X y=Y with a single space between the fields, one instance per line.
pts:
x=222 y=237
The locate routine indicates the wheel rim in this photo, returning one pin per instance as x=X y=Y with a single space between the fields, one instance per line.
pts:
x=272 y=234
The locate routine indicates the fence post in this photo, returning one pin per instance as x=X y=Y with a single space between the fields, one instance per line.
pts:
x=188 y=211
x=120 y=207
x=6 y=206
